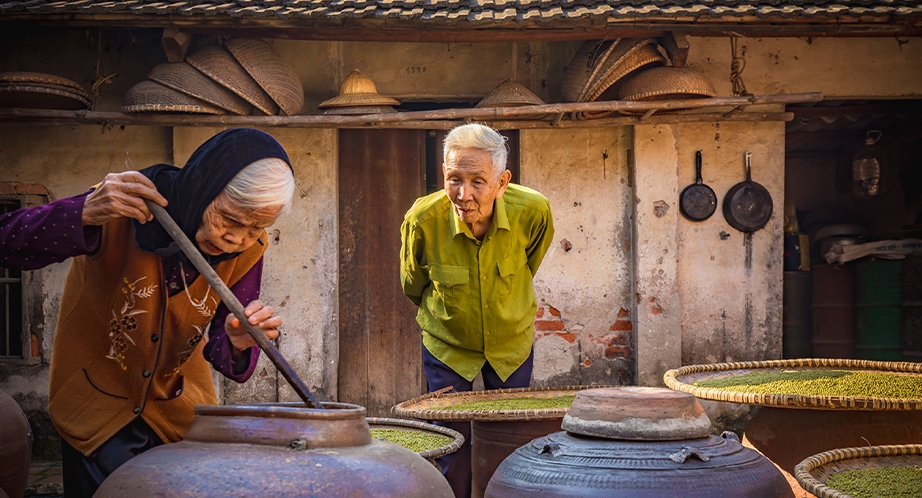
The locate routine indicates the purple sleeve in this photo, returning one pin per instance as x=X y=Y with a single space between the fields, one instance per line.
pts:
x=35 y=237
x=219 y=350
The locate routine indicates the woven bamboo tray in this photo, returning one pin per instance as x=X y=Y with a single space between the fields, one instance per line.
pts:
x=422 y=407
x=684 y=378
x=457 y=440
x=813 y=472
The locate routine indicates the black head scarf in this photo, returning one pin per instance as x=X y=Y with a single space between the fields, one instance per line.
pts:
x=191 y=189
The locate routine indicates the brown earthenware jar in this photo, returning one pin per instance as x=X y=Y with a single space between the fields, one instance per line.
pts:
x=15 y=447
x=277 y=449
x=636 y=442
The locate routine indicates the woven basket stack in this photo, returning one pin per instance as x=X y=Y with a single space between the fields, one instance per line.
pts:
x=41 y=91
x=243 y=77
x=628 y=69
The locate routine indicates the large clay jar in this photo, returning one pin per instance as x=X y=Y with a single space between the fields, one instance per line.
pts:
x=279 y=449
x=15 y=447
x=636 y=442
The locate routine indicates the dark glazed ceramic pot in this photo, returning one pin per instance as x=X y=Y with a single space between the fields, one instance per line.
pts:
x=636 y=442
x=277 y=449
x=15 y=447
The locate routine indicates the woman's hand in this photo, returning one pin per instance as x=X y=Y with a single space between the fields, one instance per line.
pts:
x=259 y=315
x=121 y=195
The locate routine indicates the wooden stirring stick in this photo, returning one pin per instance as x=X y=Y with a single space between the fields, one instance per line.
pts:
x=231 y=301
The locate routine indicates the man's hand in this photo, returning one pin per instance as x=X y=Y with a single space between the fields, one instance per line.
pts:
x=257 y=314
x=121 y=195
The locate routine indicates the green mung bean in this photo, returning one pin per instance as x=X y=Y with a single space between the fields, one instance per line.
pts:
x=512 y=404
x=417 y=441
x=885 y=482
x=822 y=383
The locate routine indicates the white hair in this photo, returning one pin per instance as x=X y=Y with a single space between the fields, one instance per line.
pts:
x=264 y=183
x=478 y=136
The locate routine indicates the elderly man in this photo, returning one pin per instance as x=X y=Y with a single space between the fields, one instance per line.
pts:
x=468 y=257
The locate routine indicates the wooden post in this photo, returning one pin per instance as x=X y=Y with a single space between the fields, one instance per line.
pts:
x=175 y=43
x=676 y=45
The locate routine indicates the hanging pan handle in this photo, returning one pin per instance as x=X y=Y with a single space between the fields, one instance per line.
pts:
x=232 y=303
x=698 y=178
x=748 y=166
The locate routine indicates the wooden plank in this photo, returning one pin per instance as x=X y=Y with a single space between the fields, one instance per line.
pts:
x=380 y=342
x=676 y=45
x=58 y=118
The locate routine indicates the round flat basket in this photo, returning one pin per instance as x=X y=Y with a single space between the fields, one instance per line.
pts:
x=218 y=64
x=685 y=378
x=457 y=440
x=273 y=73
x=14 y=77
x=583 y=68
x=184 y=78
x=432 y=406
x=813 y=472
x=628 y=55
x=41 y=97
x=148 y=96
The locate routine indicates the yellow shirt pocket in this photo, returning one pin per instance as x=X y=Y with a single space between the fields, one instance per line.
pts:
x=450 y=283
x=509 y=274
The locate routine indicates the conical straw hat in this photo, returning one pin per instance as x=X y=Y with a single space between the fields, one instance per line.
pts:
x=583 y=66
x=29 y=77
x=218 y=64
x=39 y=96
x=148 y=96
x=183 y=78
x=510 y=94
x=273 y=73
x=358 y=90
x=628 y=55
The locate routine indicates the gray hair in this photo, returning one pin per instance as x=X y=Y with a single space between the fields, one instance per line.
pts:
x=264 y=183
x=478 y=136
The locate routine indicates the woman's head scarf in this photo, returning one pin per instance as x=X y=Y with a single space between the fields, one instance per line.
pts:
x=191 y=189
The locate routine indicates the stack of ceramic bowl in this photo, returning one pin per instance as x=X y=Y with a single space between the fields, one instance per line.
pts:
x=243 y=75
x=358 y=95
x=599 y=68
x=41 y=91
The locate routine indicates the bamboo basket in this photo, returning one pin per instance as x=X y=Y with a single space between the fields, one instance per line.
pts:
x=813 y=472
x=457 y=440
x=684 y=378
x=422 y=407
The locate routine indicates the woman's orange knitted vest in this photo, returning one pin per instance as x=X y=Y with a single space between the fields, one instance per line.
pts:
x=123 y=349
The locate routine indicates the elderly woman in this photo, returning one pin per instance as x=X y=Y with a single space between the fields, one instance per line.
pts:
x=129 y=361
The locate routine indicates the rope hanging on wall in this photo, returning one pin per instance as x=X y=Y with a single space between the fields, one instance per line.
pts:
x=99 y=80
x=736 y=68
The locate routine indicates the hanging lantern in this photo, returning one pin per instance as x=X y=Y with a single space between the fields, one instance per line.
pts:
x=866 y=168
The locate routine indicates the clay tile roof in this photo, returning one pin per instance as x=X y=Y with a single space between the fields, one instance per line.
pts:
x=480 y=11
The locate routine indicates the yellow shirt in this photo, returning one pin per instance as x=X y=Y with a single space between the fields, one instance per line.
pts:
x=476 y=301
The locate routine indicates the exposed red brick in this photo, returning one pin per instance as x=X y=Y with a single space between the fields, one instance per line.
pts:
x=36 y=347
x=8 y=188
x=622 y=325
x=549 y=325
x=567 y=336
x=618 y=352
x=618 y=338
x=540 y=312
x=587 y=362
x=553 y=311
x=623 y=313
x=655 y=309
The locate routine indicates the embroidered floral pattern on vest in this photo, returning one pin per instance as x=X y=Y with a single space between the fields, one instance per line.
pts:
x=124 y=322
x=206 y=307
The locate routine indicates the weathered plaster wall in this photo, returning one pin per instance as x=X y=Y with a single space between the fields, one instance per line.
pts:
x=583 y=333
x=839 y=67
x=300 y=275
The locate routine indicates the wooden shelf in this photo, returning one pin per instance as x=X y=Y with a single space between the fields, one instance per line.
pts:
x=529 y=117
